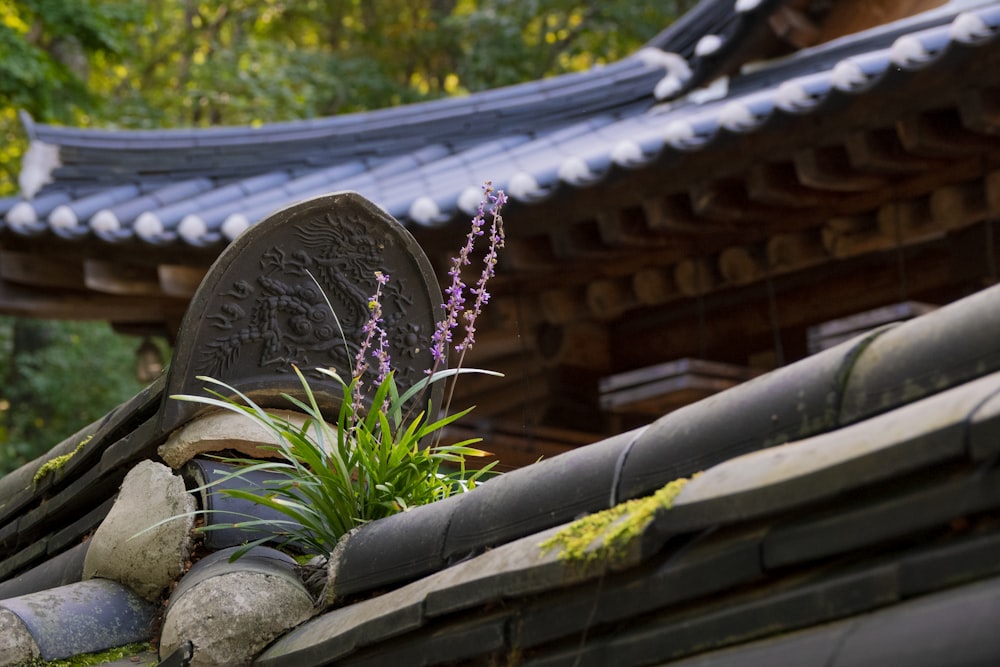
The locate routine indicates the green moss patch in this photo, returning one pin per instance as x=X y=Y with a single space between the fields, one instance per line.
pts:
x=606 y=535
x=101 y=658
x=58 y=462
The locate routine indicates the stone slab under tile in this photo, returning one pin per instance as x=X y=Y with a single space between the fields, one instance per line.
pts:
x=221 y=431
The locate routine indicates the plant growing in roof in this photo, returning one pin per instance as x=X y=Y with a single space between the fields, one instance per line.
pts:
x=327 y=480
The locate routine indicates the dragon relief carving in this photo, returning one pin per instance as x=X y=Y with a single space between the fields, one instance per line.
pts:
x=284 y=318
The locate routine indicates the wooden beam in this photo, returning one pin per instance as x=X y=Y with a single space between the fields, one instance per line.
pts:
x=907 y=221
x=529 y=253
x=940 y=134
x=727 y=202
x=505 y=394
x=776 y=184
x=121 y=278
x=829 y=168
x=609 y=299
x=992 y=182
x=954 y=206
x=740 y=265
x=661 y=388
x=694 y=276
x=579 y=240
x=654 y=286
x=180 y=281
x=41 y=270
x=514 y=368
x=819 y=296
x=789 y=252
x=849 y=236
x=83 y=305
x=493 y=343
x=794 y=27
x=582 y=344
x=674 y=213
x=628 y=227
x=880 y=151
x=980 y=110
x=847 y=17
x=564 y=305
x=507 y=326
x=517 y=448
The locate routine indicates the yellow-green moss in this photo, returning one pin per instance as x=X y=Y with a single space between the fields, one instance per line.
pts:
x=606 y=535
x=57 y=462
x=101 y=658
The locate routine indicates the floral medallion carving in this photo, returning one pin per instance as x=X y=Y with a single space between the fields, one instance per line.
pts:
x=293 y=291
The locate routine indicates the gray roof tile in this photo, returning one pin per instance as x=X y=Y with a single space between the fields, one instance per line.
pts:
x=600 y=117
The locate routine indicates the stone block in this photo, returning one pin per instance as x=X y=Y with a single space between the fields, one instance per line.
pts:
x=230 y=611
x=126 y=548
x=17 y=646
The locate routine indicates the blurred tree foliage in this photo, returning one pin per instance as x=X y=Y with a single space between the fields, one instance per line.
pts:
x=182 y=63
x=58 y=377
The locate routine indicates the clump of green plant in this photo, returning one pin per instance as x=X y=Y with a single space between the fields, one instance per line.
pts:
x=606 y=535
x=381 y=456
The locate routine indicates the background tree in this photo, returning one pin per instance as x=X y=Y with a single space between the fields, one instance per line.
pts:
x=183 y=63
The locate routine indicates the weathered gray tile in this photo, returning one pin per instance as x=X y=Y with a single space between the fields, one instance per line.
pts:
x=913 y=437
x=947 y=347
x=791 y=403
x=865 y=522
x=536 y=497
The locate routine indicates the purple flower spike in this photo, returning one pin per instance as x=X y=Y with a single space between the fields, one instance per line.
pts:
x=497 y=200
x=373 y=330
x=493 y=201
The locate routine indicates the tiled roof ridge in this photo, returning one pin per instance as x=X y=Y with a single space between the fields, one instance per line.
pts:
x=531 y=164
x=515 y=101
x=849 y=384
x=850 y=530
x=708 y=17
